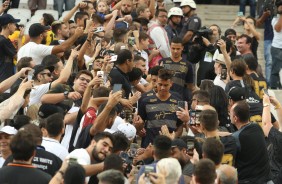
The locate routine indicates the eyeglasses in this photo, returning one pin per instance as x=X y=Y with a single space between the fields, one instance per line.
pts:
x=48 y=74
x=83 y=79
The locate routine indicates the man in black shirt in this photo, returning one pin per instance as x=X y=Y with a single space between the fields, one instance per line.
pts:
x=118 y=74
x=252 y=160
x=8 y=51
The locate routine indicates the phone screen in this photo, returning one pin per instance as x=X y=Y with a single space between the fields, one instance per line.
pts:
x=117 y=87
x=223 y=75
x=181 y=104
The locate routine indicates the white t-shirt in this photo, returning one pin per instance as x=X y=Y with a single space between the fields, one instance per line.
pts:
x=2 y=160
x=54 y=147
x=34 y=50
x=219 y=82
x=37 y=92
x=277 y=39
x=144 y=55
x=82 y=156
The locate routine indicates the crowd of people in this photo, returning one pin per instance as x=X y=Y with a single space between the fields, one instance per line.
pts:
x=130 y=92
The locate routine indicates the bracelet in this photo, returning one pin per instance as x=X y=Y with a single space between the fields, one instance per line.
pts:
x=278 y=106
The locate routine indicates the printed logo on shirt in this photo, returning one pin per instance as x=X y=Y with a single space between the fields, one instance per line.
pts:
x=153 y=100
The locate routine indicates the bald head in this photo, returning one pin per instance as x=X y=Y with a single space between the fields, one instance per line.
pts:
x=227 y=174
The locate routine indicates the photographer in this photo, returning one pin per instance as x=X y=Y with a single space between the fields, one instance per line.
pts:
x=276 y=48
x=202 y=51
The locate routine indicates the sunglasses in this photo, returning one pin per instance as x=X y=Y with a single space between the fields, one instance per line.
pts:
x=48 y=74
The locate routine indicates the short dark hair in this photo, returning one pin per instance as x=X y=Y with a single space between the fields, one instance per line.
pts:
x=165 y=74
x=101 y=91
x=111 y=177
x=75 y=174
x=86 y=72
x=119 y=34
x=50 y=60
x=242 y=111
x=22 y=145
x=143 y=36
x=202 y=96
x=113 y=161
x=23 y=62
x=103 y=135
x=213 y=149
x=155 y=70
x=121 y=142
x=79 y=15
x=248 y=38
x=55 y=124
x=97 y=18
x=238 y=66
x=205 y=171
x=112 y=112
x=158 y=12
x=34 y=131
x=218 y=28
x=135 y=74
x=21 y=120
x=56 y=25
x=162 y=146
x=176 y=40
x=48 y=19
x=251 y=62
x=138 y=58
x=209 y=119
x=123 y=56
x=250 y=17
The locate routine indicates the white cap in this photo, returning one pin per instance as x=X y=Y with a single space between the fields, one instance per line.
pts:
x=190 y=3
x=128 y=129
x=174 y=11
x=9 y=130
x=220 y=59
x=116 y=123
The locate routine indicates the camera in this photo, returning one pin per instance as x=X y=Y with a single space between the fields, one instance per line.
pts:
x=204 y=32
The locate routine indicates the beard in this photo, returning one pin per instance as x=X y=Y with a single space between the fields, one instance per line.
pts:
x=125 y=13
x=95 y=155
x=44 y=41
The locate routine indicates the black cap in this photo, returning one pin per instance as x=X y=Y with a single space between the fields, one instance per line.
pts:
x=178 y=143
x=230 y=32
x=40 y=68
x=36 y=29
x=47 y=110
x=237 y=94
x=7 y=18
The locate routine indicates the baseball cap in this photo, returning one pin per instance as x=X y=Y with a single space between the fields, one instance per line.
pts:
x=36 y=29
x=122 y=24
x=40 y=68
x=7 y=18
x=9 y=130
x=46 y=110
x=178 y=143
x=220 y=59
x=128 y=129
x=237 y=94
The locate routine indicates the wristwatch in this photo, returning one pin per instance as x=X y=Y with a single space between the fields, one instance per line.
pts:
x=266 y=105
x=66 y=94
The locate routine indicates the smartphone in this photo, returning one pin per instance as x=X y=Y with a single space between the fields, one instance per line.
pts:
x=148 y=169
x=181 y=104
x=190 y=148
x=223 y=75
x=117 y=87
x=72 y=160
x=194 y=117
x=166 y=66
x=131 y=41
x=122 y=47
x=240 y=14
x=30 y=75
x=100 y=74
x=113 y=58
x=99 y=29
x=90 y=66
x=266 y=92
x=133 y=149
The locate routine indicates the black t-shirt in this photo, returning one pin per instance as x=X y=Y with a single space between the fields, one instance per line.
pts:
x=23 y=174
x=117 y=76
x=260 y=84
x=7 y=53
x=274 y=147
x=254 y=46
x=43 y=160
x=252 y=161
x=230 y=150
x=183 y=75
x=74 y=130
x=84 y=138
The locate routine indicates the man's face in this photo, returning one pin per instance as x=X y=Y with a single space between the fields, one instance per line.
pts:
x=185 y=10
x=90 y=9
x=58 y=69
x=145 y=43
x=141 y=65
x=45 y=76
x=176 y=19
x=179 y=155
x=102 y=149
x=250 y=21
x=154 y=79
x=65 y=31
x=97 y=64
x=130 y=64
x=215 y=31
x=126 y=7
x=72 y=28
x=146 y=14
x=194 y=103
x=81 y=83
x=232 y=37
x=176 y=49
x=162 y=18
x=5 y=142
x=12 y=27
x=242 y=46
x=163 y=86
